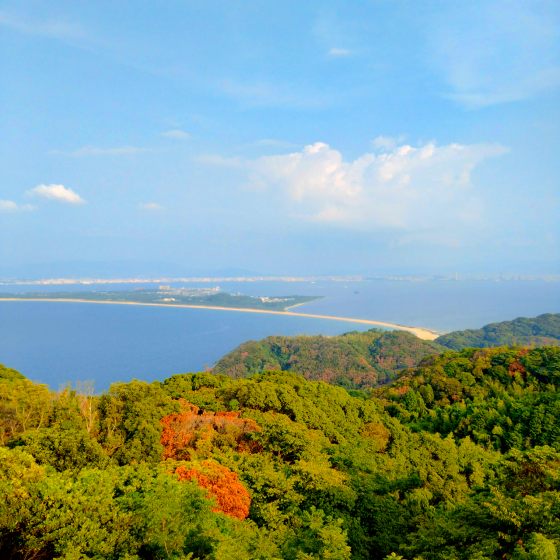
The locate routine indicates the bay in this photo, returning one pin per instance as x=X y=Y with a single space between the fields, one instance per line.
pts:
x=60 y=343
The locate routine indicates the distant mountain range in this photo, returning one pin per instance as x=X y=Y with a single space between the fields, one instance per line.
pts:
x=361 y=360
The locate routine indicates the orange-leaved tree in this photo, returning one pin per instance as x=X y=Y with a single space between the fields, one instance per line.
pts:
x=193 y=429
x=223 y=484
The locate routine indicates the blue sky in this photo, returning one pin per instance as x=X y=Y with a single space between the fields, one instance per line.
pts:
x=279 y=137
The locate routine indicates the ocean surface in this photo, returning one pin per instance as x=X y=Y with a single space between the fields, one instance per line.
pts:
x=61 y=343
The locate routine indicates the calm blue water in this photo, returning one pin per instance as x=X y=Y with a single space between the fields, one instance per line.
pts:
x=57 y=343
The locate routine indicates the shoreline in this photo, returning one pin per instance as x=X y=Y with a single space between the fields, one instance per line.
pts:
x=420 y=332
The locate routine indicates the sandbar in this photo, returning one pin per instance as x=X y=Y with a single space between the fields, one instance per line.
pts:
x=420 y=332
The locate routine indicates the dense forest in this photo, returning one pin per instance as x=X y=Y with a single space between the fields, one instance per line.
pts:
x=538 y=331
x=354 y=360
x=360 y=360
x=458 y=458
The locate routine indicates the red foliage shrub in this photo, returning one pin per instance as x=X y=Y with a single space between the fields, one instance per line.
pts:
x=194 y=429
x=231 y=496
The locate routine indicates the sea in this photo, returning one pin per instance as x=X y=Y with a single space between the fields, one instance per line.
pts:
x=62 y=344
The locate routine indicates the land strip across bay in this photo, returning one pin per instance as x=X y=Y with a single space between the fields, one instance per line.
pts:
x=420 y=332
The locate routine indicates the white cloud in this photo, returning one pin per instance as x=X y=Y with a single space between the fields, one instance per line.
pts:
x=9 y=206
x=58 y=193
x=87 y=151
x=176 y=134
x=401 y=187
x=339 y=53
x=496 y=52
x=151 y=206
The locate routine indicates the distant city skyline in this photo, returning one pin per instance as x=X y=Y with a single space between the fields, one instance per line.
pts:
x=315 y=138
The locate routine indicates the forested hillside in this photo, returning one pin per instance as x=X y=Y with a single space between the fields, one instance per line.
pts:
x=361 y=360
x=352 y=360
x=537 y=331
x=457 y=459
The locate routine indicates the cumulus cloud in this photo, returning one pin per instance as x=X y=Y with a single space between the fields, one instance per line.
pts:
x=58 y=193
x=9 y=206
x=151 y=206
x=176 y=134
x=398 y=187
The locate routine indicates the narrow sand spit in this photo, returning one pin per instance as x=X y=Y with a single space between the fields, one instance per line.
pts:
x=420 y=332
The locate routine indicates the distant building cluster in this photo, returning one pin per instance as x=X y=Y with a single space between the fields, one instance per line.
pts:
x=187 y=292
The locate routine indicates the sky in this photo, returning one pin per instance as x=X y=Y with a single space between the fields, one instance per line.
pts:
x=293 y=138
